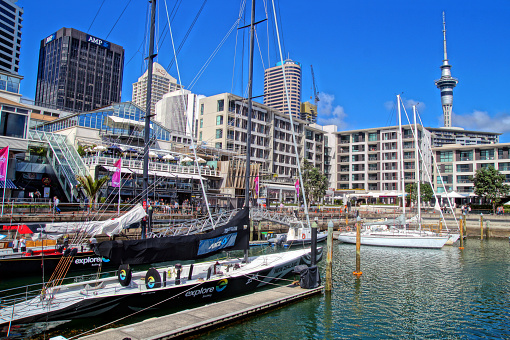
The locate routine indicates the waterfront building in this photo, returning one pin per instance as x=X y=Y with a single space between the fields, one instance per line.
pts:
x=456 y=135
x=162 y=83
x=274 y=87
x=223 y=125
x=309 y=112
x=178 y=111
x=457 y=163
x=446 y=84
x=78 y=72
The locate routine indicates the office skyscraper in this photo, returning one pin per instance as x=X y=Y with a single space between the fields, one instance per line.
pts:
x=446 y=84
x=10 y=43
x=78 y=71
x=274 y=87
x=162 y=83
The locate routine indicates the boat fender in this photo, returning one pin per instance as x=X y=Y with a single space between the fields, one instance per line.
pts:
x=303 y=236
x=74 y=251
x=60 y=249
x=209 y=272
x=178 y=269
x=29 y=252
x=67 y=252
x=152 y=279
x=124 y=275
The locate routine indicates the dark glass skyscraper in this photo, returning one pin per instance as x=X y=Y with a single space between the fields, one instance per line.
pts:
x=78 y=72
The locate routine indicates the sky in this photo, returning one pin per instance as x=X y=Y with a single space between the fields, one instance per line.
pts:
x=363 y=52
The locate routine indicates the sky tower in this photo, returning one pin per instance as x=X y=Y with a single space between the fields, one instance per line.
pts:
x=446 y=84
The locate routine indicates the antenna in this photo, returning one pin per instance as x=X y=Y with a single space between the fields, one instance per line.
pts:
x=444 y=37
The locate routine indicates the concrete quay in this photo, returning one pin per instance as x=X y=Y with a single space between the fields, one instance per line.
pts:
x=204 y=318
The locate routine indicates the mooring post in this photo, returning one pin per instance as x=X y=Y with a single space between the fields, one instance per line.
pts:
x=461 y=229
x=329 y=259
x=481 y=226
x=465 y=223
x=259 y=227
x=358 y=246
x=487 y=229
x=313 y=252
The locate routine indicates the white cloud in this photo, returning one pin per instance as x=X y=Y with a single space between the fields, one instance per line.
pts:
x=481 y=120
x=329 y=115
x=408 y=104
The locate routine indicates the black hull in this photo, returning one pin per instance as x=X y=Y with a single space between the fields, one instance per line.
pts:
x=166 y=297
x=304 y=242
x=33 y=265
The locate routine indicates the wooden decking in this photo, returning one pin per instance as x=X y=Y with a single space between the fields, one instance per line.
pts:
x=203 y=318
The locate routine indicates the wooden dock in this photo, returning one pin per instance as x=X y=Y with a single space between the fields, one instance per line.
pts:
x=203 y=318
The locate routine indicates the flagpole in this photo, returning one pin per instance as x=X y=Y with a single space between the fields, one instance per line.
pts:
x=5 y=179
x=120 y=184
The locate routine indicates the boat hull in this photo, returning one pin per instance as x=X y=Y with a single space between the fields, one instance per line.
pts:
x=125 y=302
x=395 y=240
x=298 y=242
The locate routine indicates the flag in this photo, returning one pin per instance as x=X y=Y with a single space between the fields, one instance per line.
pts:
x=4 y=157
x=296 y=185
x=257 y=185
x=116 y=175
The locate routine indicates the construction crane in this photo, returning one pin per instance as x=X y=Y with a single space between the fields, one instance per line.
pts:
x=315 y=91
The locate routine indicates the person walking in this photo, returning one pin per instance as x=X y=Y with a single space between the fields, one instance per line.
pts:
x=56 y=201
x=23 y=244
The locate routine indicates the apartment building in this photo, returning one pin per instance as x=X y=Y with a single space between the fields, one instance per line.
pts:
x=274 y=87
x=368 y=159
x=457 y=163
x=456 y=135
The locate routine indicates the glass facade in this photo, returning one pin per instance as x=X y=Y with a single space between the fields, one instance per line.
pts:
x=13 y=122
x=99 y=120
x=9 y=84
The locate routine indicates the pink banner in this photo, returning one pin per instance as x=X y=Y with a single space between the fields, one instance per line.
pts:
x=116 y=175
x=296 y=185
x=4 y=157
x=257 y=185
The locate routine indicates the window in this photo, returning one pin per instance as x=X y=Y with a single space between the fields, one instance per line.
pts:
x=466 y=155
x=200 y=136
x=201 y=109
x=372 y=137
x=463 y=179
x=486 y=155
x=219 y=120
x=219 y=133
x=12 y=125
x=504 y=166
x=218 y=145
x=201 y=123
x=221 y=105
x=446 y=156
x=448 y=168
x=463 y=168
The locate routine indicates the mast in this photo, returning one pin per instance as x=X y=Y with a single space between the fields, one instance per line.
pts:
x=417 y=166
x=401 y=157
x=248 y=133
x=147 y=129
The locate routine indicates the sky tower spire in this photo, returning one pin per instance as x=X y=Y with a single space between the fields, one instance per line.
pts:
x=446 y=84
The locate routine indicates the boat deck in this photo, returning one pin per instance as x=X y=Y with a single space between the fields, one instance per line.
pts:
x=206 y=317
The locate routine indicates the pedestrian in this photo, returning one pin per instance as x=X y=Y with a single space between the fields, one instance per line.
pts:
x=176 y=206
x=15 y=245
x=66 y=241
x=37 y=195
x=56 y=201
x=23 y=244
x=93 y=243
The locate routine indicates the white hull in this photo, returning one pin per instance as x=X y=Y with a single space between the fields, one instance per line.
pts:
x=390 y=239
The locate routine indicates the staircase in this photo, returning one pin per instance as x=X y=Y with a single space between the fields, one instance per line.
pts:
x=64 y=159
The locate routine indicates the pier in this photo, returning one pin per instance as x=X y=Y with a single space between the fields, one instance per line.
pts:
x=203 y=318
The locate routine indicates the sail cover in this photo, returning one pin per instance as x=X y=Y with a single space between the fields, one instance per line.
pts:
x=109 y=227
x=235 y=235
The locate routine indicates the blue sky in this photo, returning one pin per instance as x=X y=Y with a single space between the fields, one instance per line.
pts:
x=363 y=53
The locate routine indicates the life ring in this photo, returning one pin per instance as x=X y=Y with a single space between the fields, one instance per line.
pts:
x=303 y=236
x=348 y=228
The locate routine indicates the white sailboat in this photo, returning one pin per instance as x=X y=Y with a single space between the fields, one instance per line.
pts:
x=395 y=233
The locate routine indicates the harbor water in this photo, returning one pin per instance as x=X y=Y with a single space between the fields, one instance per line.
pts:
x=403 y=293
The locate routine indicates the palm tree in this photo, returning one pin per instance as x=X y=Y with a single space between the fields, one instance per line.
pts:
x=91 y=186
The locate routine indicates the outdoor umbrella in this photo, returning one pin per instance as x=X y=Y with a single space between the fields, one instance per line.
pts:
x=201 y=160
x=168 y=158
x=186 y=159
x=152 y=154
x=100 y=148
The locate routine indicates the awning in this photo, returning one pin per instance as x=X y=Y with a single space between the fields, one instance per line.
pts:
x=183 y=176
x=114 y=169
x=8 y=184
x=123 y=123
x=154 y=173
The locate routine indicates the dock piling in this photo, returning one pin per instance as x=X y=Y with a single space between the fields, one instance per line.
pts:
x=358 y=247
x=461 y=229
x=329 y=259
x=481 y=226
x=487 y=229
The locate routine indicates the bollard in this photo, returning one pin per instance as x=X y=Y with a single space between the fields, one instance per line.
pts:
x=461 y=229
x=481 y=226
x=329 y=259
x=358 y=271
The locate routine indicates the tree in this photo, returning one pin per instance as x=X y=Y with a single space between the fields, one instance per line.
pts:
x=315 y=183
x=490 y=183
x=91 y=186
x=426 y=193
